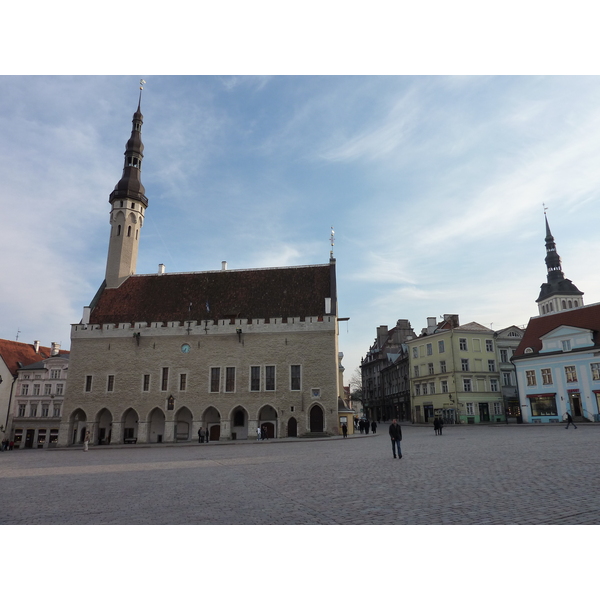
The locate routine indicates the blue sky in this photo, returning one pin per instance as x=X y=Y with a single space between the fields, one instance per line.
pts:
x=434 y=186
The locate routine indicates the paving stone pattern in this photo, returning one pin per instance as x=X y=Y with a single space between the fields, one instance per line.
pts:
x=522 y=474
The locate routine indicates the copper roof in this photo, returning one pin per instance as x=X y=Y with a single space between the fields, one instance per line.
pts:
x=14 y=353
x=244 y=294
x=585 y=317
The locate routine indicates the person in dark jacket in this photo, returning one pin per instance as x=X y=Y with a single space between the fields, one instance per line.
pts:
x=396 y=437
x=436 y=425
x=570 y=421
x=344 y=430
x=373 y=427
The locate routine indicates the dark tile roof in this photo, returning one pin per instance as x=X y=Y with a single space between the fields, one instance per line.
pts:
x=586 y=317
x=14 y=353
x=242 y=294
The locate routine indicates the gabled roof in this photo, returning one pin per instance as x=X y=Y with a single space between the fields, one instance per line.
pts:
x=585 y=317
x=42 y=364
x=244 y=294
x=13 y=353
x=473 y=326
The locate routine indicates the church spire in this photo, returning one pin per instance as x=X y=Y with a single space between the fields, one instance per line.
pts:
x=128 y=204
x=559 y=293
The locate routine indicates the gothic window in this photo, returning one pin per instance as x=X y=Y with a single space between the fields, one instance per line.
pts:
x=118 y=230
x=129 y=231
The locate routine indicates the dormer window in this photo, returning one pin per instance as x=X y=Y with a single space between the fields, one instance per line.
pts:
x=566 y=345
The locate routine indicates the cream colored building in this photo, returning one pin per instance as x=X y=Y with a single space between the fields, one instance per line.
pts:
x=157 y=357
x=454 y=373
x=37 y=408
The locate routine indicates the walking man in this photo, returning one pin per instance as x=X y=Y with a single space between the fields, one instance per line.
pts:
x=345 y=430
x=86 y=441
x=396 y=437
x=570 y=421
x=200 y=436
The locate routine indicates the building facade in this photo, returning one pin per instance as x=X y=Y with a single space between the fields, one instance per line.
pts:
x=37 y=408
x=558 y=366
x=507 y=341
x=384 y=390
x=454 y=374
x=14 y=356
x=157 y=357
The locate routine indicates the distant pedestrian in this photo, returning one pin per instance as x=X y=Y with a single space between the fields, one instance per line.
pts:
x=11 y=444
x=570 y=421
x=361 y=424
x=373 y=427
x=344 y=430
x=440 y=425
x=436 y=426
x=396 y=437
x=265 y=433
x=86 y=441
x=207 y=436
x=200 y=436
x=258 y=434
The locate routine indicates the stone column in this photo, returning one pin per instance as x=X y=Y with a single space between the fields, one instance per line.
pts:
x=169 y=434
x=143 y=433
x=116 y=435
x=252 y=427
x=63 y=434
x=225 y=430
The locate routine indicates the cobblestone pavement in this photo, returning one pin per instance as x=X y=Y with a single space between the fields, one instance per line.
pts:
x=470 y=475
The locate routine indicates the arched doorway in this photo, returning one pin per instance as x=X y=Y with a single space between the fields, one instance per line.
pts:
x=78 y=425
x=183 y=425
x=267 y=418
x=130 y=426
x=316 y=419
x=292 y=428
x=239 y=424
x=104 y=426
x=212 y=423
x=156 y=424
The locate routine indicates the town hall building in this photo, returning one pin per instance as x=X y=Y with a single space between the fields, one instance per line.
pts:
x=158 y=357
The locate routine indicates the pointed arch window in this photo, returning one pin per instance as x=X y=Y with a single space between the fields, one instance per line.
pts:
x=128 y=231
x=118 y=230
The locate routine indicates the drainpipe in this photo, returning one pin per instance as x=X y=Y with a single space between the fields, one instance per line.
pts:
x=12 y=385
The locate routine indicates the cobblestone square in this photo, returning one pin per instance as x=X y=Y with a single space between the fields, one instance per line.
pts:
x=469 y=475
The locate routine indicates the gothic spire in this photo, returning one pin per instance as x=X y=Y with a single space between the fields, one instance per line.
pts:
x=559 y=293
x=130 y=185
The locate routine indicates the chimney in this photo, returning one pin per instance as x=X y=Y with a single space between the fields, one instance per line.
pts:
x=54 y=350
x=382 y=333
x=431 y=325
x=36 y=345
x=161 y=269
x=223 y=265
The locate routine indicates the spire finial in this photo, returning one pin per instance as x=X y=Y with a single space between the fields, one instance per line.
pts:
x=332 y=241
x=142 y=84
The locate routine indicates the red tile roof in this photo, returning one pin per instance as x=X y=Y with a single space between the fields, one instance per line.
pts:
x=244 y=294
x=13 y=353
x=586 y=317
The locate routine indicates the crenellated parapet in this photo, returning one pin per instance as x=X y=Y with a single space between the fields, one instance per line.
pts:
x=206 y=327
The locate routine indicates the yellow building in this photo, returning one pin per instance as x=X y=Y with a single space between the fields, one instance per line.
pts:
x=454 y=374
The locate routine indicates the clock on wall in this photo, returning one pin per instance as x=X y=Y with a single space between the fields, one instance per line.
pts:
x=185 y=348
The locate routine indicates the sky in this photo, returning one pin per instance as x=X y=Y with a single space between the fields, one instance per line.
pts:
x=435 y=187
x=429 y=135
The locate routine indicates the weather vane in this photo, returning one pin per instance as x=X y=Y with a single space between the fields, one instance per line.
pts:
x=142 y=84
x=545 y=207
x=332 y=240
